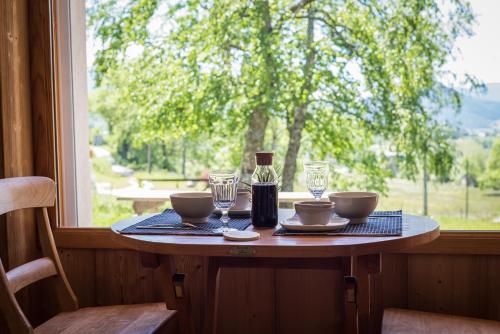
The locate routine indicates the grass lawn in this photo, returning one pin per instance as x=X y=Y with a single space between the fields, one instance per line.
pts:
x=454 y=223
x=107 y=210
x=446 y=204
x=472 y=147
x=446 y=201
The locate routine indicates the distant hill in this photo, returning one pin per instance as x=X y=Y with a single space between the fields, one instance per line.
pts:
x=478 y=111
x=493 y=93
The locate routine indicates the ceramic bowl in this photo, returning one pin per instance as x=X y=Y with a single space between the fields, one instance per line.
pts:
x=193 y=207
x=243 y=199
x=356 y=206
x=314 y=212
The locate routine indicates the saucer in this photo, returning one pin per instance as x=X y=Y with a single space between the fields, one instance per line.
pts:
x=294 y=224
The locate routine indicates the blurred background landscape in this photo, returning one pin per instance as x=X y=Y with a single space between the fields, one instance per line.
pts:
x=452 y=174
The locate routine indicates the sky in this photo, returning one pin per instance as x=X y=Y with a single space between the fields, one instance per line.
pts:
x=480 y=54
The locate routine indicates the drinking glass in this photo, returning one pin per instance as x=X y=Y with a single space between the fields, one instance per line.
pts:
x=316 y=177
x=224 y=186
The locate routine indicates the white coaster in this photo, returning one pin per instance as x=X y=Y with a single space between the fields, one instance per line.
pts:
x=241 y=235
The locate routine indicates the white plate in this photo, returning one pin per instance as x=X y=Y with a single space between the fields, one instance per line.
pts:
x=295 y=224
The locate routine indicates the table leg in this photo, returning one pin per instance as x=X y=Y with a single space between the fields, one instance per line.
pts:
x=368 y=293
x=176 y=294
x=362 y=286
x=212 y=293
x=350 y=295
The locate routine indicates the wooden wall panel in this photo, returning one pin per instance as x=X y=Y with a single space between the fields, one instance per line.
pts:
x=16 y=122
x=488 y=282
x=446 y=285
x=246 y=301
x=195 y=269
x=121 y=279
x=41 y=88
x=455 y=284
x=395 y=280
x=41 y=92
x=309 y=301
x=19 y=231
x=80 y=268
x=305 y=301
x=3 y=226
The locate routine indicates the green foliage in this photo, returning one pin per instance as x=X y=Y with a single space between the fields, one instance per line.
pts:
x=476 y=170
x=491 y=179
x=106 y=210
x=101 y=166
x=460 y=224
x=445 y=200
x=199 y=70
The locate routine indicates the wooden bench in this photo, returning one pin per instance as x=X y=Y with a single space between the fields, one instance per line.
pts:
x=398 y=321
x=154 y=199
x=176 y=180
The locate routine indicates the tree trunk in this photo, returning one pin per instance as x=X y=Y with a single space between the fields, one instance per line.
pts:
x=165 y=163
x=150 y=163
x=295 y=135
x=184 y=153
x=254 y=140
x=259 y=118
x=467 y=189
x=425 y=194
x=299 y=117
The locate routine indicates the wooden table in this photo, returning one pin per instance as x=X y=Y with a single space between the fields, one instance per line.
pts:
x=358 y=257
x=153 y=199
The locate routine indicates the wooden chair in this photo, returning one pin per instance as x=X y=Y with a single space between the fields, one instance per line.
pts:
x=39 y=192
x=398 y=321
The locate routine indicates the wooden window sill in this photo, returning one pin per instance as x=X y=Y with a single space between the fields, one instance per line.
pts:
x=85 y=237
x=449 y=242
x=462 y=242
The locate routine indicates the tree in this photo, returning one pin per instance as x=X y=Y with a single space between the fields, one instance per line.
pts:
x=491 y=179
x=341 y=75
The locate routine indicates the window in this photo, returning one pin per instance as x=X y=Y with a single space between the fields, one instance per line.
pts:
x=157 y=94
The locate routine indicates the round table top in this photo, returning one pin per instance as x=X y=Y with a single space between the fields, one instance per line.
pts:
x=416 y=231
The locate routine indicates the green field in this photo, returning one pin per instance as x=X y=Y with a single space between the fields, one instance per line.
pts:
x=446 y=203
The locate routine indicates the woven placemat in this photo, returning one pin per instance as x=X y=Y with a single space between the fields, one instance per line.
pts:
x=171 y=218
x=380 y=223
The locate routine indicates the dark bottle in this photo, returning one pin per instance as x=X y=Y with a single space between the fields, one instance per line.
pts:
x=264 y=192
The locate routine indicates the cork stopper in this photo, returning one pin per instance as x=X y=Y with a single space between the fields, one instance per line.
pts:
x=264 y=158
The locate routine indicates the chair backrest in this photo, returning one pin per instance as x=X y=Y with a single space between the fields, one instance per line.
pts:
x=32 y=192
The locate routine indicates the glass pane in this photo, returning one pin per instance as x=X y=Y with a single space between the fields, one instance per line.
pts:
x=177 y=89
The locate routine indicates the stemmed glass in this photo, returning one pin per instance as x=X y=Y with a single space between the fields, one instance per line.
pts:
x=224 y=186
x=316 y=177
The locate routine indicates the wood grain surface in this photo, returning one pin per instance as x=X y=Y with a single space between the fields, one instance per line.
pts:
x=408 y=281
x=124 y=319
x=397 y=321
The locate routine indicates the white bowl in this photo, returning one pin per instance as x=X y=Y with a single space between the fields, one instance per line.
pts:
x=193 y=207
x=314 y=212
x=356 y=206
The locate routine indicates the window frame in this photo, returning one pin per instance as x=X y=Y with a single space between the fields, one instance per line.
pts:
x=71 y=108
x=68 y=234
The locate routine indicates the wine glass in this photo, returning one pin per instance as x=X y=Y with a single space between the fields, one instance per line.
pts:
x=316 y=177
x=224 y=186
